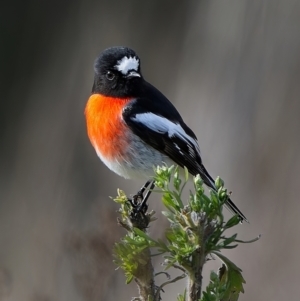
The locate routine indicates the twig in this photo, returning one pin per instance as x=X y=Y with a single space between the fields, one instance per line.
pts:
x=157 y=295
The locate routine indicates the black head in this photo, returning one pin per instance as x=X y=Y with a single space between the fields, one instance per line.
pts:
x=118 y=73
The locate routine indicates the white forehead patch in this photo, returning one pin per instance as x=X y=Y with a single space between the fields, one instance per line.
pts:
x=127 y=63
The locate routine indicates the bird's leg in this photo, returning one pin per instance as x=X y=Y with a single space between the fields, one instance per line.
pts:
x=144 y=201
x=139 y=216
x=139 y=201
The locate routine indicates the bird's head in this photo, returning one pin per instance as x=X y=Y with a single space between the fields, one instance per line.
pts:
x=118 y=73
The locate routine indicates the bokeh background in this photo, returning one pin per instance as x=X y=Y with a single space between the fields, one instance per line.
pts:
x=232 y=68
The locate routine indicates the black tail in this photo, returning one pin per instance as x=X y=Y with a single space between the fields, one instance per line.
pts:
x=208 y=180
x=235 y=210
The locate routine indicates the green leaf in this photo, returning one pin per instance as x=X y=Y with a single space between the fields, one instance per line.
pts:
x=170 y=216
x=232 y=279
x=178 y=199
x=182 y=297
x=162 y=246
x=229 y=240
x=168 y=202
x=219 y=183
x=186 y=174
x=129 y=278
x=235 y=220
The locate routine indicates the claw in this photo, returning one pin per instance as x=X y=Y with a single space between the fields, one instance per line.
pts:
x=139 y=201
x=140 y=206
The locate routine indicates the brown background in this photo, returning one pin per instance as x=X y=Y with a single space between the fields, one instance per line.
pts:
x=232 y=68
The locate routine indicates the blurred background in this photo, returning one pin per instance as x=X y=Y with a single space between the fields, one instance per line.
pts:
x=232 y=68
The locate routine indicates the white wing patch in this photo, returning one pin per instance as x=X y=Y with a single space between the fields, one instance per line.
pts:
x=127 y=63
x=162 y=125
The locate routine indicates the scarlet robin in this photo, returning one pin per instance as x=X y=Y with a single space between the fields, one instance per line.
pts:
x=134 y=127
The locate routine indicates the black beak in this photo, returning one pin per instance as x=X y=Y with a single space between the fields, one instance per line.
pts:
x=133 y=74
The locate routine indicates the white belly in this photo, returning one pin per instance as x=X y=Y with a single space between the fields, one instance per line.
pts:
x=142 y=160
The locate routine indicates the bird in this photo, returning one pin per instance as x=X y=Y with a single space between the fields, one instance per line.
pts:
x=133 y=126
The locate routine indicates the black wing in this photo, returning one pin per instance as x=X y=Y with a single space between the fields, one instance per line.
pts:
x=157 y=122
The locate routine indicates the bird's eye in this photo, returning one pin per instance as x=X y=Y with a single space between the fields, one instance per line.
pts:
x=110 y=75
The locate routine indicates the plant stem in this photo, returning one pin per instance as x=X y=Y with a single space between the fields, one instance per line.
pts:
x=195 y=283
x=198 y=260
x=144 y=276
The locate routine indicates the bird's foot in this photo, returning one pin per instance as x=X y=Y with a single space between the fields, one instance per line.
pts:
x=139 y=217
x=139 y=201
